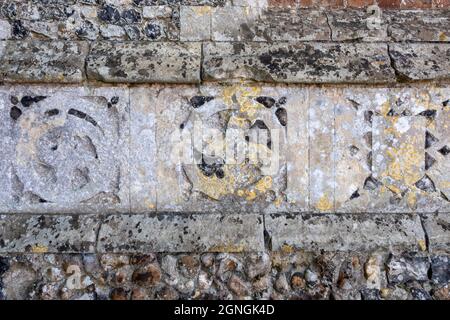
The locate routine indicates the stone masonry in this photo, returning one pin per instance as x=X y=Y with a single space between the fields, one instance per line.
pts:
x=224 y=149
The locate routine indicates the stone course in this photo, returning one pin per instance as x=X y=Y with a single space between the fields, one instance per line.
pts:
x=220 y=149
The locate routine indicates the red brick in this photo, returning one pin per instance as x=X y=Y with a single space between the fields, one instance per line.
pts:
x=359 y=3
x=322 y=3
x=415 y=4
x=441 y=4
x=389 y=4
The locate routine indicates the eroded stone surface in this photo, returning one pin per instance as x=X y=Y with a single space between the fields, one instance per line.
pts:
x=141 y=62
x=438 y=231
x=44 y=233
x=417 y=61
x=297 y=63
x=423 y=25
x=68 y=149
x=42 y=61
x=345 y=232
x=181 y=233
x=235 y=170
x=359 y=25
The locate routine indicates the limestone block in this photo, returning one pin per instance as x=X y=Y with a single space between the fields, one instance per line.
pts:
x=298 y=62
x=438 y=231
x=68 y=149
x=181 y=233
x=143 y=182
x=345 y=232
x=140 y=62
x=47 y=233
x=42 y=61
x=195 y=23
x=357 y=25
x=254 y=23
x=250 y=159
x=421 y=61
x=419 y=25
x=5 y=30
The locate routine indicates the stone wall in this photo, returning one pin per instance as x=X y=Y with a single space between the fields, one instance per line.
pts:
x=198 y=149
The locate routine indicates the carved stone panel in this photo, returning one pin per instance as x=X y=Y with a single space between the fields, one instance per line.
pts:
x=69 y=149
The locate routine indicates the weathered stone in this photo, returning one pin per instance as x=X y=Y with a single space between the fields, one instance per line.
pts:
x=195 y=23
x=440 y=269
x=357 y=25
x=68 y=150
x=112 y=32
x=149 y=275
x=142 y=151
x=423 y=25
x=438 y=231
x=5 y=30
x=222 y=117
x=154 y=12
x=181 y=233
x=42 y=61
x=41 y=234
x=144 y=62
x=239 y=23
x=401 y=269
x=345 y=232
x=416 y=61
x=298 y=62
x=238 y=286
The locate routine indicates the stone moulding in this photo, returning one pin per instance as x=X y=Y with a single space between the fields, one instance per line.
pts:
x=172 y=232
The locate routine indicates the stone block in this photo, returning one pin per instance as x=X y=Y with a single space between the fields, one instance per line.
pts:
x=438 y=231
x=48 y=233
x=143 y=155
x=419 y=25
x=254 y=152
x=195 y=23
x=421 y=61
x=5 y=30
x=357 y=25
x=181 y=233
x=298 y=62
x=140 y=62
x=345 y=232
x=253 y=23
x=68 y=149
x=42 y=61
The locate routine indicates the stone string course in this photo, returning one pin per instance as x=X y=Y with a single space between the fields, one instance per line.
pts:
x=95 y=95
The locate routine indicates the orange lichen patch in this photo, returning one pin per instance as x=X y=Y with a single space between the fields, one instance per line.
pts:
x=38 y=248
x=324 y=204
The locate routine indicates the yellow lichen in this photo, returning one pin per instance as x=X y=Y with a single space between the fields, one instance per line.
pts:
x=422 y=245
x=38 y=248
x=324 y=204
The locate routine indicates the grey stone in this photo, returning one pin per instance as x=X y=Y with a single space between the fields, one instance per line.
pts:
x=253 y=23
x=195 y=23
x=111 y=31
x=140 y=62
x=420 y=61
x=401 y=269
x=142 y=151
x=47 y=233
x=42 y=61
x=181 y=233
x=154 y=12
x=440 y=269
x=356 y=25
x=438 y=231
x=5 y=30
x=68 y=149
x=419 y=25
x=298 y=62
x=344 y=232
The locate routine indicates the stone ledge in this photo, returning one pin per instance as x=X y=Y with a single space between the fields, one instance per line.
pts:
x=48 y=233
x=346 y=232
x=298 y=62
x=438 y=231
x=42 y=61
x=181 y=233
x=140 y=62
